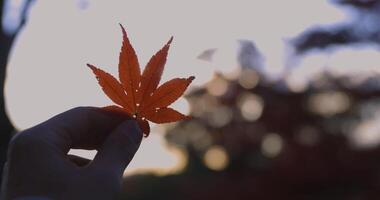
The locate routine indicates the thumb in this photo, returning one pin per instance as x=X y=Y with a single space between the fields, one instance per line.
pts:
x=119 y=147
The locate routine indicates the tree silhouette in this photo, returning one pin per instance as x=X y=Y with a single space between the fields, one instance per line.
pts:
x=6 y=42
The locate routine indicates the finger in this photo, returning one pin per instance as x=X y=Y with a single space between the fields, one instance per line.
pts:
x=79 y=161
x=82 y=127
x=119 y=148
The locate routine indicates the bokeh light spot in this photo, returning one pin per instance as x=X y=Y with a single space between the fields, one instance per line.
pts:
x=271 y=145
x=366 y=135
x=216 y=158
x=251 y=106
x=248 y=79
x=217 y=86
x=329 y=103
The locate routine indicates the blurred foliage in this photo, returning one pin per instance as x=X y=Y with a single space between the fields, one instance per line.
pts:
x=363 y=28
x=359 y=3
x=252 y=138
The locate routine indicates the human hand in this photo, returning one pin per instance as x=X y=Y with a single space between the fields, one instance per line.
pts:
x=38 y=164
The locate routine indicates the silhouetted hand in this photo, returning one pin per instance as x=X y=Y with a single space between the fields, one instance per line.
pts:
x=38 y=164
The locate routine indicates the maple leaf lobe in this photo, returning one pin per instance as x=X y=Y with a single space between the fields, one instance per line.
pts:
x=152 y=73
x=111 y=87
x=129 y=70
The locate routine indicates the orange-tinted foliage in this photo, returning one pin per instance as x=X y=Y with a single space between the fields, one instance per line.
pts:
x=137 y=94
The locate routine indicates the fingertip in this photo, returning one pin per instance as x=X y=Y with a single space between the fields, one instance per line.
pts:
x=120 y=147
x=125 y=138
x=133 y=130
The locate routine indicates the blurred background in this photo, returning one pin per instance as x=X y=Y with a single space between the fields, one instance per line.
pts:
x=286 y=101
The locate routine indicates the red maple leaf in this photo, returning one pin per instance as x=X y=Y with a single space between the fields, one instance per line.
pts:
x=138 y=95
